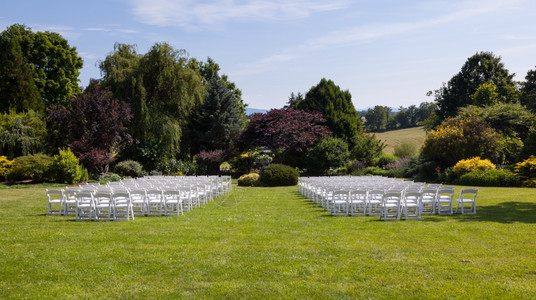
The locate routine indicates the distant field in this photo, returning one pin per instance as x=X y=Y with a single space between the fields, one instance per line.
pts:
x=393 y=138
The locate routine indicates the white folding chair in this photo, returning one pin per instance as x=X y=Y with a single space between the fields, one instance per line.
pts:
x=412 y=205
x=122 y=206
x=138 y=200
x=444 y=200
x=103 y=205
x=84 y=205
x=339 y=202
x=55 y=201
x=69 y=206
x=155 y=202
x=467 y=196
x=391 y=205
x=358 y=202
x=374 y=202
x=428 y=201
x=172 y=202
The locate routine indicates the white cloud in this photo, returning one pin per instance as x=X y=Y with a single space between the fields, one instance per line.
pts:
x=262 y=65
x=194 y=14
x=370 y=32
x=112 y=30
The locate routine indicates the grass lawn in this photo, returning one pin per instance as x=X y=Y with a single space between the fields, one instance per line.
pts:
x=394 y=138
x=259 y=243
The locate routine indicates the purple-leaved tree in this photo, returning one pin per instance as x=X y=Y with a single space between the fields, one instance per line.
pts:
x=285 y=130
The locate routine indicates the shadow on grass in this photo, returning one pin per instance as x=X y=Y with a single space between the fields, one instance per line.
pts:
x=505 y=212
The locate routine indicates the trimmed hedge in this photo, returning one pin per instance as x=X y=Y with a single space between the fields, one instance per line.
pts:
x=279 y=175
x=489 y=178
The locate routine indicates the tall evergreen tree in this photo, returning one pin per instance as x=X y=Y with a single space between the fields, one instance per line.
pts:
x=336 y=106
x=18 y=91
x=220 y=120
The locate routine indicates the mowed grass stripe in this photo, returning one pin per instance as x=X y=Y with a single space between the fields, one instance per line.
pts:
x=269 y=243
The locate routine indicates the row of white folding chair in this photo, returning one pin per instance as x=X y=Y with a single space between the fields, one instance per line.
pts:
x=389 y=205
x=103 y=206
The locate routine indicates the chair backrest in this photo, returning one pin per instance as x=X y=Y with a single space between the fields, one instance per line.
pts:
x=468 y=193
x=392 y=197
x=102 y=197
x=446 y=190
x=413 y=197
x=50 y=193
x=121 y=195
x=341 y=195
x=84 y=196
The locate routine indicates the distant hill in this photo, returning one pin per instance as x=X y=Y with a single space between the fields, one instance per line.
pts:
x=250 y=111
x=393 y=138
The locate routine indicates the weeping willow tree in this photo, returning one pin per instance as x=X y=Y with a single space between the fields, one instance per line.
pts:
x=161 y=90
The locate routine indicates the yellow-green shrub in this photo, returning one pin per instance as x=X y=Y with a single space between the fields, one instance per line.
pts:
x=67 y=169
x=5 y=166
x=473 y=164
x=250 y=179
x=526 y=171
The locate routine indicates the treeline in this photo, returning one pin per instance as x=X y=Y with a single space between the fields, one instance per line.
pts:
x=382 y=118
x=164 y=112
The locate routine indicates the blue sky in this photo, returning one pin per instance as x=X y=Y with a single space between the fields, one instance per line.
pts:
x=385 y=52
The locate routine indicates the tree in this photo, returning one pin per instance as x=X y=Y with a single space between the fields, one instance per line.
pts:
x=483 y=67
x=457 y=139
x=162 y=89
x=209 y=70
x=337 y=108
x=55 y=66
x=284 y=130
x=18 y=91
x=510 y=119
x=367 y=148
x=377 y=118
x=220 y=121
x=528 y=91
x=329 y=153
x=95 y=127
x=21 y=134
x=486 y=94
x=293 y=99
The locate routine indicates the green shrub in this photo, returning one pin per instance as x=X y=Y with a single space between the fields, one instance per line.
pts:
x=129 y=168
x=405 y=150
x=526 y=171
x=67 y=169
x=5 y=166
x=489 y=178
x=385 y=159
x=174 y=166
x=473 y=164
x=376 y=171
x=109 y=177
x=243 y=163
x=251 y=179
x=328 y=153
x=35 y=167
x=279 y=175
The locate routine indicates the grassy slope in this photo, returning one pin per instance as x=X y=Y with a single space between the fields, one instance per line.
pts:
x=393 y=138
x=260 y=243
